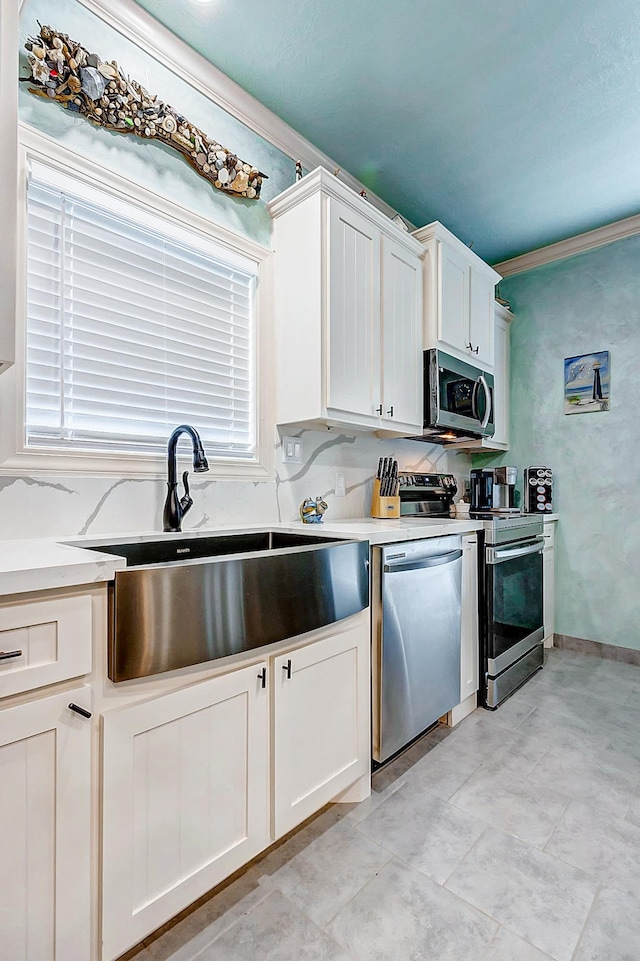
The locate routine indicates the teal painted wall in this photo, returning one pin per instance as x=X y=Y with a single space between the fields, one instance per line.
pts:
x=152 y=165
x=587 y=303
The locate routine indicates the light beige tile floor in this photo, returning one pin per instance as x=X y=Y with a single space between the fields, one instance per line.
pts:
x=514 y=837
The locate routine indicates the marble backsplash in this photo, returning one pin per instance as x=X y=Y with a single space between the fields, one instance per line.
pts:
x=65 y=506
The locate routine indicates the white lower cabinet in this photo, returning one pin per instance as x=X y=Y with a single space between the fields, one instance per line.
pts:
x=321 y=723
x=185 y=799
x=469 y=640
x=548 y=587
x=45 y=829
x=190 y=777
x=470 y=648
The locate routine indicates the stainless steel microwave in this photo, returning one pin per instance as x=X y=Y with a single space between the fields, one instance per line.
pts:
x=458 y=399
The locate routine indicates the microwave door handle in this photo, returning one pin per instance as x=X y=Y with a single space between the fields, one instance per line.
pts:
x=474 y=399
x=487 y=414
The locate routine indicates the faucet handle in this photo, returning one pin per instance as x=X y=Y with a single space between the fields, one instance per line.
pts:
x=187 y=501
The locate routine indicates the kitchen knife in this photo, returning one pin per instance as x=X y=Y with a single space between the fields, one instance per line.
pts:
x=394 y=479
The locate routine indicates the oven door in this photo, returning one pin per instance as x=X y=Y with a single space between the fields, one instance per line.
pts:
x=513 y=611
x=457 y=396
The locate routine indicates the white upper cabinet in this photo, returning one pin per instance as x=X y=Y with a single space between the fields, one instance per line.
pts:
x=401 y=335
x=353 y=304
x=348 y=311
x=459 y=297
x=501 y=375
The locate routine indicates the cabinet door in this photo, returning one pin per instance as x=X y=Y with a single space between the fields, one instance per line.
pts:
x=501 y=382
x=453 y=299
x=401 y=336
x=469 y=660
x=185 y=800
x=321 y=734
x=548 y=587
x=481 y=316
x=353 y=328
x=45 y=840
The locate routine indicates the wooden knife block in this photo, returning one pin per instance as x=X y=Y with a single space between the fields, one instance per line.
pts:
x=383 y=506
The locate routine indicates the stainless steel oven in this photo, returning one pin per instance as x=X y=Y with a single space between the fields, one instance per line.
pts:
x=512 y=604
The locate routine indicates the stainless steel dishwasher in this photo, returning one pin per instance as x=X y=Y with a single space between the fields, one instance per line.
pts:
x=416 y=638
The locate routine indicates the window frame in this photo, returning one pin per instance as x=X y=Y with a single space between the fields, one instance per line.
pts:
x=14 y=453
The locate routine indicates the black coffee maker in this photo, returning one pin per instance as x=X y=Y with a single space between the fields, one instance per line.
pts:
x=493 y=490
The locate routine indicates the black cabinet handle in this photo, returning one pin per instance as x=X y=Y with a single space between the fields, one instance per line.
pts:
x=6 y=655
x=262 y=677
x=469 y=346
x=287 y=668
x=79 y=710
x=390 y=411
x=379 y=409
x=476 y=349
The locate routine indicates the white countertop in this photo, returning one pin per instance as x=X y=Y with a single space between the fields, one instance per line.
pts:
x=42 y=565
x=381 y=531
x=46 y=564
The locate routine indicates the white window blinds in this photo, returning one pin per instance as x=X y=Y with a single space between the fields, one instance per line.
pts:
x=132 y=328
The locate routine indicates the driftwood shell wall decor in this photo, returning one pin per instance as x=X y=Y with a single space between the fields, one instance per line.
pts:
x=64 y=71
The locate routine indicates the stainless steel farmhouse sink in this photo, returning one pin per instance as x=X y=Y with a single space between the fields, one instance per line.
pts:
x=187 y=600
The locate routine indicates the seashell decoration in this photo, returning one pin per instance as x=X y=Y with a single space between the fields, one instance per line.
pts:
x=64 y=71
x=311 y=510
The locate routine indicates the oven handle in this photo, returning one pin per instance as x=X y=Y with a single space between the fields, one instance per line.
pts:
x=499 y=556
x=436 y=561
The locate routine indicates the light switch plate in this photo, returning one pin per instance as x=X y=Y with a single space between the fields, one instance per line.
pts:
x=291 y=450
x=340 y=485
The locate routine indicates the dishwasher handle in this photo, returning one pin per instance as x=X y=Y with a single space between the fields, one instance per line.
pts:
x=436 y=561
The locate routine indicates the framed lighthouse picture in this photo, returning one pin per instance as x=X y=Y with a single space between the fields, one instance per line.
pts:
x=587 y=383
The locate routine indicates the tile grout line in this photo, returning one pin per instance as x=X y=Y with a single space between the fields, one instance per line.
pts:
x=586 y=921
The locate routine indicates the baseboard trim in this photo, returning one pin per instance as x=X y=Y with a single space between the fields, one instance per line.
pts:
x=626 y=655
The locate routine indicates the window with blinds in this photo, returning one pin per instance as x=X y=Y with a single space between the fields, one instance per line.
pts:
x=132 y=328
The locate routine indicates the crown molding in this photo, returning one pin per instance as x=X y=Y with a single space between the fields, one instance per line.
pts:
x=579 y=244
x=320 y=180
x=155 y=39
x=438 y=232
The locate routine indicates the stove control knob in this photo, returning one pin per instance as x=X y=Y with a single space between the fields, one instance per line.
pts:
x=540 y=473
x=532 y=481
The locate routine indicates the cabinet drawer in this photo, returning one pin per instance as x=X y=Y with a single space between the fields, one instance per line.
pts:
x=42 y=642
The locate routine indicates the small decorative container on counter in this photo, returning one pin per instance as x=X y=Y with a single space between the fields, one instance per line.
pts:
x=311 y=510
